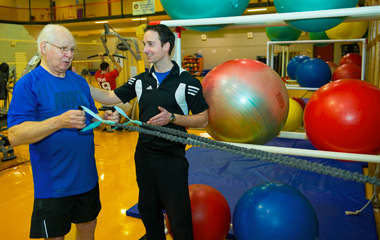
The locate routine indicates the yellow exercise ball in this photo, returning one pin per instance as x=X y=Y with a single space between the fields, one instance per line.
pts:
x=295 y=116
x=348 y=30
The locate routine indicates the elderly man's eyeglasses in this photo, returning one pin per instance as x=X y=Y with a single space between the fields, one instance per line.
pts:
x=64 y=49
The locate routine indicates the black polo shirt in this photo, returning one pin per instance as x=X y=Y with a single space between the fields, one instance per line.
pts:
x=179 y=92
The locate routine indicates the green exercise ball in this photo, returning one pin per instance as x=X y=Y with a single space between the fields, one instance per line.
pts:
x=284 y=33
x=319 y=36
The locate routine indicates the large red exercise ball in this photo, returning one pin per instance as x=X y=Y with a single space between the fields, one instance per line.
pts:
x=313 y=73
x=291 y=68
x=343 y=116
x=347 y=71
x=274 y=210
x=295 y=116
x=313 y=25
x=210 y=211
x=283 y=33
x=319 y=36
x=204 y=9
x=248 y=102
x=353 y=58
x=348 y=30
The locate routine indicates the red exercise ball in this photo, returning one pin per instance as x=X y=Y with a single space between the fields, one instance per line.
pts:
x=333 y=66
x=343 y=116
x=210 y=212
x=353 y=58
x=300 y=101
x=347 y=71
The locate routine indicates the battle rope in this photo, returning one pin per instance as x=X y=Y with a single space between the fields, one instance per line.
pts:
x=198 y=141
x=194 y=140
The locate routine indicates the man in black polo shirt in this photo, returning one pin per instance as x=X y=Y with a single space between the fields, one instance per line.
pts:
x=166 y=94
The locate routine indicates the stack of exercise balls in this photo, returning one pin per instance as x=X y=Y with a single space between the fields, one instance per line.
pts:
x=248 y=102
x=196 y=9
x=309 y=72
x=343 y=116
x=274 y=210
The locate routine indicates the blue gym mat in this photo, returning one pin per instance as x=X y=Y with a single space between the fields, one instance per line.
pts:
x=233 y=175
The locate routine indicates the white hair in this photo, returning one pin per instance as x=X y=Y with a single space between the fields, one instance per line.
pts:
x=49 y=34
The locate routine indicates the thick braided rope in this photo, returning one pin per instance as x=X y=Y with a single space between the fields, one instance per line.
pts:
x=194 y=140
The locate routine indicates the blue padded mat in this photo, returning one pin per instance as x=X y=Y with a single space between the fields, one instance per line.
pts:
x=233 y=175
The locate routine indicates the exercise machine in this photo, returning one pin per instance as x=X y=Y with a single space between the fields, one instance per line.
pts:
x=32 y=64
x=124 y=44
x=6 y=148
x=7 y=76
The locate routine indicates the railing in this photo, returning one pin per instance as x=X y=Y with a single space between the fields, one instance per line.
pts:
x=119 y=8
x=12 y=14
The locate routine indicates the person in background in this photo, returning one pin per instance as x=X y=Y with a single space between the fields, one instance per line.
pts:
x=166 y=94
x=107 y=81
x=44 y=114
x=106 y=78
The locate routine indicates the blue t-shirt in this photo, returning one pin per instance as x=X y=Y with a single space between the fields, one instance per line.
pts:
x=63 y=163
x=161 y=76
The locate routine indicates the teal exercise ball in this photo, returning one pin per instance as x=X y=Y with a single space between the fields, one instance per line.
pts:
x=313 y=25
x=195 y=9
x=284 y=33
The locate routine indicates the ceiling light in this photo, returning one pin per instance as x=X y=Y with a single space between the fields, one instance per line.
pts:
x=101 y=22
x=257 y=9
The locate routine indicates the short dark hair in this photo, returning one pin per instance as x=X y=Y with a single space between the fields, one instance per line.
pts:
x=104 y=66
x=164 y=34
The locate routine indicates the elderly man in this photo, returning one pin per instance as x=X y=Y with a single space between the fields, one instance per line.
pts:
x=44 y=114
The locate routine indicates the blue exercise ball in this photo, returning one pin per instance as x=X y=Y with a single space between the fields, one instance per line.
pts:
x=195 y=9
x=313 y=25
x=283 y=33
x=313 y=73
x=291 y=68
x=274 y=211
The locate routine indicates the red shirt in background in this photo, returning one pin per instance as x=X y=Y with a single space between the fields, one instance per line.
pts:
x=107 y=81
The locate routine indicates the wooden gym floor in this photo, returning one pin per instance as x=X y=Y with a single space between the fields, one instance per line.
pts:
x=118 y=190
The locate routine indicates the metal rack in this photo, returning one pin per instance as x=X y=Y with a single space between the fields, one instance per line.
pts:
x=278 y=19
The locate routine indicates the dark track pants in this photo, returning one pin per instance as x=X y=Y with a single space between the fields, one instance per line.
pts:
x=163 y=185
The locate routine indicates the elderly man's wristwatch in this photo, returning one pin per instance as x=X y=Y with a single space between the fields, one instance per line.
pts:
x=172 y=118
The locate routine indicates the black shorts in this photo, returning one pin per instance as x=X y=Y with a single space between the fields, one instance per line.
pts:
x=52 y=217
